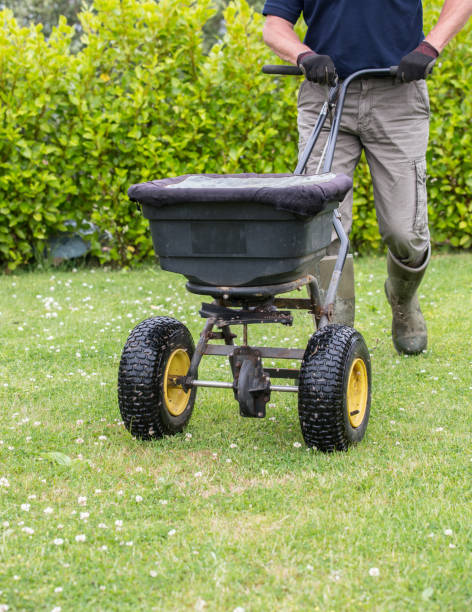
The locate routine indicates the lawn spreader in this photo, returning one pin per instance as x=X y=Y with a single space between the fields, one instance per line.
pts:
x=245 y=240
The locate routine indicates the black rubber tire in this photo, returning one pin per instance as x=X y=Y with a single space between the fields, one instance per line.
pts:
x=324 y=373
x=141 y=378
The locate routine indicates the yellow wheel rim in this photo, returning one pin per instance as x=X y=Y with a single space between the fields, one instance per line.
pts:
x=357 y=392
x=175 y=397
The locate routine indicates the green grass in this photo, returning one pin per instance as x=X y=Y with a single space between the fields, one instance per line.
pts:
x=235 y=513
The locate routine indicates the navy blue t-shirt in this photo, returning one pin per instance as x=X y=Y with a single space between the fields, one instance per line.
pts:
x=356 y=34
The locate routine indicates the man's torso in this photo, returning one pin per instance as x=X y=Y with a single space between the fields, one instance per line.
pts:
x=356 y=34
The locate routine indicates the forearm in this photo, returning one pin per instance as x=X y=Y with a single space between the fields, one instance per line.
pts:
x=454 y=16
x=280 y=36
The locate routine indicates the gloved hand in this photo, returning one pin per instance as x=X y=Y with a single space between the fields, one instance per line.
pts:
x=418 y=63
x=317 y=68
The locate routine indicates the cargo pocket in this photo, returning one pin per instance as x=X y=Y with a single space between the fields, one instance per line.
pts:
x=421 y=214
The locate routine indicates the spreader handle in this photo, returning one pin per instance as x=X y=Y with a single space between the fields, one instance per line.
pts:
x=286 y=70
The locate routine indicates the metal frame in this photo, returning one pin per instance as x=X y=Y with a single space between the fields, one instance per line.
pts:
x=245 y=306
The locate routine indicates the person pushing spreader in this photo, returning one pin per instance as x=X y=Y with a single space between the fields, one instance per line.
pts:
x=246 y=240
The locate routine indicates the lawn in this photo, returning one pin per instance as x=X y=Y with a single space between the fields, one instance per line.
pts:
x=233 y=514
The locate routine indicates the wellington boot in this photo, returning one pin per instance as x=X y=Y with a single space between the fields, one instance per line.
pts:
x=409 y=332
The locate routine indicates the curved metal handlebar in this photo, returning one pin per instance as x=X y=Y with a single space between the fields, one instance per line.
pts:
x=287 y=70
x=336 y=97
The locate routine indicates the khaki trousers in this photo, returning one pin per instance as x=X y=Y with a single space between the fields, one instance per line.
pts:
x=390 y=123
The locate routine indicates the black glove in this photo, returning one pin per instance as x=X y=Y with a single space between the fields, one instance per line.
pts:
x=317 y=68
x=418 y=63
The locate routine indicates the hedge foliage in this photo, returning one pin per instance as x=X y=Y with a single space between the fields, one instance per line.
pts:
x=142 y=100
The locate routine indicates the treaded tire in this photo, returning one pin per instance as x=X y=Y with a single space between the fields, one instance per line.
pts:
x=141 y=377
x=330 y=357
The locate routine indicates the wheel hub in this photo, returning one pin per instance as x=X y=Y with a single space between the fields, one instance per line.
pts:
x=357 y=392
x=176 y=398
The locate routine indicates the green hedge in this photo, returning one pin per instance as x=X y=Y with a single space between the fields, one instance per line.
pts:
x=141 y=100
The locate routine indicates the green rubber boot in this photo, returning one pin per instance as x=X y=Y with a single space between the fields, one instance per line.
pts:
x=409 y=332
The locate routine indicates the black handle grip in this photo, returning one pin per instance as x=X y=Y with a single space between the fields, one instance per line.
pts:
x=282 y=69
